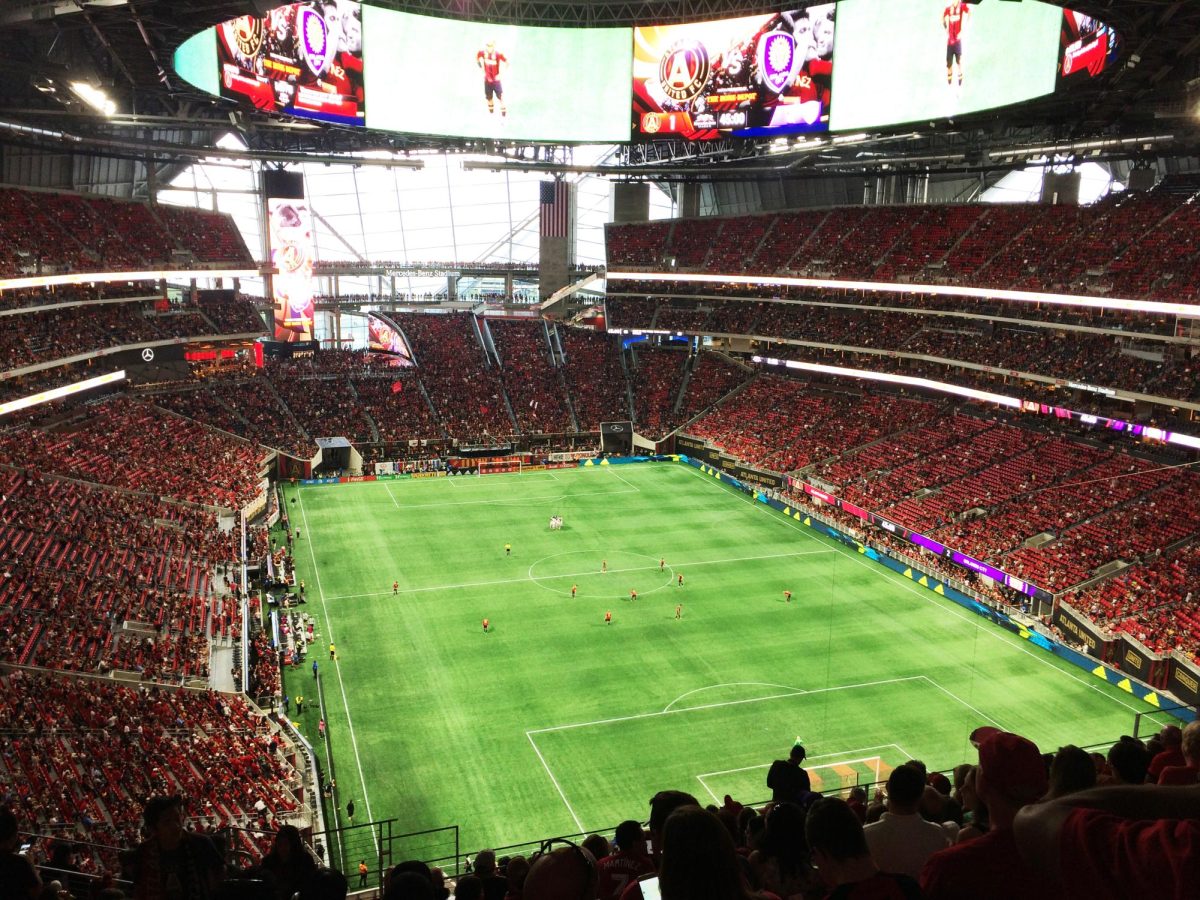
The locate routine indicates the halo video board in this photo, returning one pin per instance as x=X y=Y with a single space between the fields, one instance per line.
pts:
x=746 y=77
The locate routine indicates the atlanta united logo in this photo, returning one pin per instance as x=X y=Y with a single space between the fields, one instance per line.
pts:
x=314 y=39
x=651 y=123
x=777 y=60
x=684 y=69
x=248 y=35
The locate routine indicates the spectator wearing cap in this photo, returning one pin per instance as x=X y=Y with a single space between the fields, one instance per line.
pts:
x=1170 y=755
x=1112 y=843
x=901 y=841
x=1189 y=773
x=787 y=779
x=840 y=853
x=1011 y=774
x=628 y=862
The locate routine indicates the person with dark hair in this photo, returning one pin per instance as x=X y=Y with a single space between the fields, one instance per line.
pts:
x=494 y=884
x=699 y=860
x=1071 y=770
x=407 y=884
x=628 y=861
x=662 y=805
x=515 y=874
x=173 y=862
x=901 y=841
x=1128 y=761
x=839 y=851
x=17 y=873
x=325 y=884
x=468 y=887
x=289 y=862
x=782 y=863
x=788 y=781
x=596 y=844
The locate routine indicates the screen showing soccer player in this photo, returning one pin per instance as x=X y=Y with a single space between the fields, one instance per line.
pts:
x=1088 y=47
x=475 y=79
x=291 y=240
x=744 y=77
x=922 y=60
x=383 y=338
x=303 y=59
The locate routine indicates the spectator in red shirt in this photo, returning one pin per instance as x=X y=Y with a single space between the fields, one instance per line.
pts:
x=1171 y=754
x=1189 y=773
x=628 y=862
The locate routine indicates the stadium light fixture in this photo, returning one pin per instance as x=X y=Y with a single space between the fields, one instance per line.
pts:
x=94 y=97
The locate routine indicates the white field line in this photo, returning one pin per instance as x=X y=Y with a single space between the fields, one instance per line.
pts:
x=471 y=584
x=928 y=597
x=964 y=703
x=578 y=824
x=723 y=703
x=387 y=487
x=786 y=687
x=341 y=683
x=623 y=481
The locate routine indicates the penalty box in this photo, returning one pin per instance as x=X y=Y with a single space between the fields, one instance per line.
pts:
x=722 y=738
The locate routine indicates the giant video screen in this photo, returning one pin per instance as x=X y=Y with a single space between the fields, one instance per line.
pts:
x=472 y=79
x=1088 y=47
x=745 y=77
x=292 y=288
x=920 y=60
x=302 y=59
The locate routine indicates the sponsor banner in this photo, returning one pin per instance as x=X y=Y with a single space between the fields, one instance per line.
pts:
x=572 y=455
x=148 y=356
x=1183 y=680
x=1134 y=658
x=758 y=477
x=690 y=445
x=428 y=475
x=616 y=428
x=318 y=481
x=1082 y=629
x=351 y=479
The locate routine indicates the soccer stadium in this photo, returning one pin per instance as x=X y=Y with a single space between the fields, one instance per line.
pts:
x=676 y=450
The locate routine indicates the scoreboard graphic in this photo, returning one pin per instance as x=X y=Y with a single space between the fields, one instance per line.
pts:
x=750 y=76
x=1088 y=47
x=303 y=59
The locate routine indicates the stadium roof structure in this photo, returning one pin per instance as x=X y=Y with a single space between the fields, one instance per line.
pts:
x=1146 y=108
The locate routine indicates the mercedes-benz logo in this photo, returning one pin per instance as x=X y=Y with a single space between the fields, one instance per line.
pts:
x=148 y=355
x=617 y=428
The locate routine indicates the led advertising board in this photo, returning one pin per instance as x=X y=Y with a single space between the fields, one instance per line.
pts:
x=750 y=76
x=292 y=256
x=922 y=60
x=303 y=59
x=472 y=79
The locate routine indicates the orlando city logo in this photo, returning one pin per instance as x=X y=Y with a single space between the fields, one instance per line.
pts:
x=684 y=69
x=314 y=39
x=777 y=60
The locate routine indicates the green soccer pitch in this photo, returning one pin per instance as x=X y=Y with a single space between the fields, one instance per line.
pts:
x=555 y=722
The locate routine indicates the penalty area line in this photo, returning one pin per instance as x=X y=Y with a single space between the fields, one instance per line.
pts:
x=578 y=825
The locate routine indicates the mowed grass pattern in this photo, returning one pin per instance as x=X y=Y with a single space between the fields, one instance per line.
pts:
x=555 y=722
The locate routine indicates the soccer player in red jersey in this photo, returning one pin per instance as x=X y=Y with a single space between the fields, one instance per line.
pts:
x=574 y=588
x=787 y=596
x=953 y=20
x=494 y=63
x=632 y=594
x=485 y=626
x=395 y=587
x=608 y=617
x=679 y=580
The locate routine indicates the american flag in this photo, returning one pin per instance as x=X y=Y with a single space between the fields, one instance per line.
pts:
x=554 y=208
